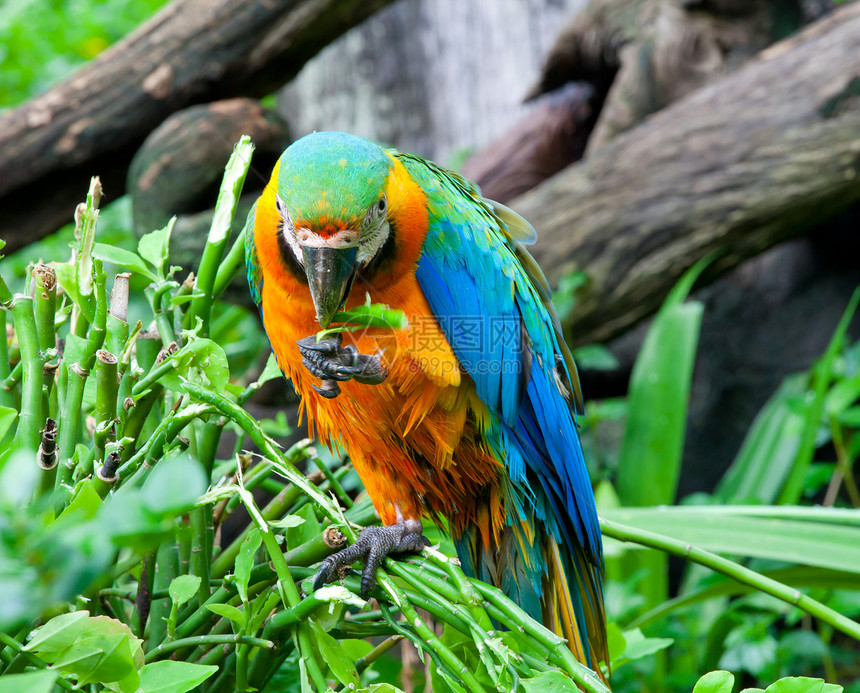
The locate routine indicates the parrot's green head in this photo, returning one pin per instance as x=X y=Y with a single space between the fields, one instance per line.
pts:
x=333 y=212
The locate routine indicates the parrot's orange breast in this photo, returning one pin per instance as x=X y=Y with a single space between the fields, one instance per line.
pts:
x=414 y=439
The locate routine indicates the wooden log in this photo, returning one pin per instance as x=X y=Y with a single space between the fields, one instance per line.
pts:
x=733 y=169
x=642 y=55
x=192 y=51
x=551 y=137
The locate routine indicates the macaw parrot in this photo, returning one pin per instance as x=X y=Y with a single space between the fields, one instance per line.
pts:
x=468 y=413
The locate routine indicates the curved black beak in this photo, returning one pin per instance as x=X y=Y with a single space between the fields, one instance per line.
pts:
x=330 y=272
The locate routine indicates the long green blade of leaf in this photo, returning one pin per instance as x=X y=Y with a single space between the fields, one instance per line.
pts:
x=806 y=543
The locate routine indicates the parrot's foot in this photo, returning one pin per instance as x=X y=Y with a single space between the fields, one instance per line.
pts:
x=374 y=544
x=328 y=360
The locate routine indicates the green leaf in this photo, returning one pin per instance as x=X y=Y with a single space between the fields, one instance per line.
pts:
x=271 y=371
x=715 y=682
x=820 y=544
x=307 y=530
x=153 y=247
x=650 y=459
x=333 y=654
x=31 y=682
x=769 y=448
x=801 y=684
x=123 y=258
x=183 y=588
x=94 y=649
x=822 y=375
x=564 y=298
x=8 y=416
x=595 y=357
x=201 y=361
x=287 y=521
x=169 y=676
x=549 y=682
x=659 y=391
x=173 y=486
x=849 y=417
x=245 y=562
x=228 y=611
x=842 y=395
x=637 y=646
x=58 y=633
x=369 y=315
x=84 y=506
x=615 y=641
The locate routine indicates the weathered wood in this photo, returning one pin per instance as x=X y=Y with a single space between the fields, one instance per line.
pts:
x=178 y=169
x=733 y=168
x=645 y=54
x=192 y=51
x=551 y=137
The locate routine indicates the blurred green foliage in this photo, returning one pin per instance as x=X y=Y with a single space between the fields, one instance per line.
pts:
x=42 y=41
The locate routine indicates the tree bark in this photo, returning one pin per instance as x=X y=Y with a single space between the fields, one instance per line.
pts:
x=551 y=137
x=732 y=169
x=193 y=51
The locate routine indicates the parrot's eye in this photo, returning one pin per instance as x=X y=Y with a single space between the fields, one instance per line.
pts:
x=381 y=205
x=280 y=206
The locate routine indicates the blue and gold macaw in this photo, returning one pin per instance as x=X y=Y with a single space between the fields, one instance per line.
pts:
x=467 y=414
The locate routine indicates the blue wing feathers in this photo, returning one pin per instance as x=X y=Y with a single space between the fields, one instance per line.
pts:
x=479 y=281
x=472 y=268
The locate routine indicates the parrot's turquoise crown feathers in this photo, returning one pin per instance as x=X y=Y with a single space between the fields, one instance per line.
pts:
x=332 y=175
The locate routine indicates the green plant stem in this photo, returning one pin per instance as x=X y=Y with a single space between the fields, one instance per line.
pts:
x=159 y=297
x=31 y=659
x=735 y=571
x=292 y=599
x=7 y=397
x=70 y=415
x=85 y=229
x=106 y=392
x=31 y=418
x=166 y=568
x=557 y=647
x=454 y=663
x=197 y=640
x=44 y=289
x=266 y=445
x=14 y=377
x=273 y=510
x=219 y=233
x=231 y=265
x=467 y=592
x=822 y=374
x=844 y=463
x=136 y=418
x=200 y=559
x=342 y=495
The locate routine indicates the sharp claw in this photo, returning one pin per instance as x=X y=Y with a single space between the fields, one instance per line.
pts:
x=321 y=370
x=327 y=388
x=327 y=346
x=373 y=545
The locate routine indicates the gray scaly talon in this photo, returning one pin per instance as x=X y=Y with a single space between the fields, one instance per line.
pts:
x=373 y=545
x=331 y=362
